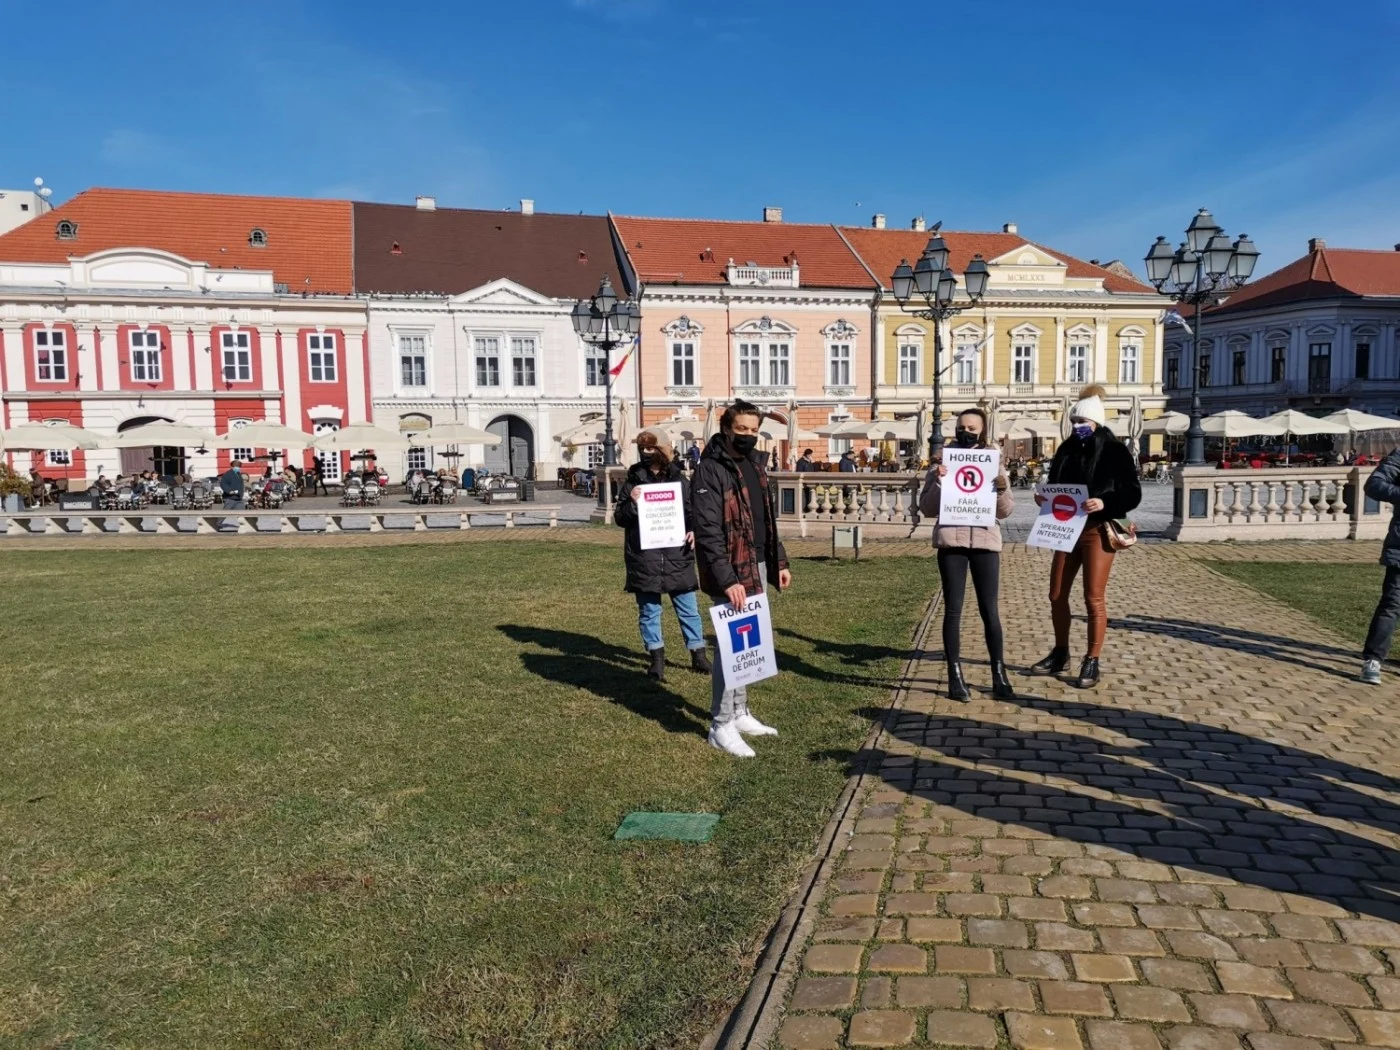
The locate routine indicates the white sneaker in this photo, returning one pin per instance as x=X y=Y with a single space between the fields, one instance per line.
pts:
x=751 y=726
x=1370 y=674
x=725 y=736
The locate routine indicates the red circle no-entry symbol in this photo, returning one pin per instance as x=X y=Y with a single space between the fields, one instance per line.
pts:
x=1063 y=507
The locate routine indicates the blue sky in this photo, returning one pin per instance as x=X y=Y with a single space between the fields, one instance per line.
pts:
x=1095 y=126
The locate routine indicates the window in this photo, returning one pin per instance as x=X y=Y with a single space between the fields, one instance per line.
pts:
x=595 y=366
x=1278 y=363
x=1078 y=363
x=488 y=361
x=682 y=364
x=522 y=361
x=1363 y=361
x=243 y=455
x=909 y=363
x=417 y=459
x=67 y=230
x=51 y=355
x=749 y=372
x=58 y=457
x=1237 y=368
x=595 y=455
x=1204 y=365
x=1173 y=376
x=321 y=350
x=238 y=360
x=144 y=351
x=413 y=360
x=1319 y=368
x=257 y=238
x=329 y=461
x=1129 y=362
x=836 y=446
x=1023 y=363
x=779 y=364
x=839 y=364
x=965 y=360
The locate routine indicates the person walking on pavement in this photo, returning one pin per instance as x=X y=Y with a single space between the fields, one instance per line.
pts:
x=662 y=570
x=1094 y=458
x=318 y=478
x=738 y=551
x=969 y=548
x=1384 y=486
x=231 y=484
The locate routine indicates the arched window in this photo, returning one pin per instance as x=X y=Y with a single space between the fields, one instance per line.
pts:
x=257 y=237
x=67 y=230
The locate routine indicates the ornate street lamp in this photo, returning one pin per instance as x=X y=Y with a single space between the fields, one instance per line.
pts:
x=1205 y=266
x=607 y=322
x=931 y=281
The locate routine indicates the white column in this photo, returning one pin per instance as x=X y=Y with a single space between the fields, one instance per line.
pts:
x=85 y=356
x=357 y=406
x=989 y=351
x=179 y=358
x=205 y=354
x=1059 y=376
x=12 y=346
x=292 y=408
x=111 y=358
x=1159 y=350
x=1100 y=369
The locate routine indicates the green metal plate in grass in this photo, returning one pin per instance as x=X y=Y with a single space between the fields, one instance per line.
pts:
x=675 y=827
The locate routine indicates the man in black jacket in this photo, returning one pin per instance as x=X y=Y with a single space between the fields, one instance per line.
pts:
x=1384 y=486
x=231 y=485
x=738 y=549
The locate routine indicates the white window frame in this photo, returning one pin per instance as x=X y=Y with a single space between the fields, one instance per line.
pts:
x=411 y=353
x=779 y=363
x=231 y=349
x=244 y=453
x=966 y=358
x=750 y=359
x=483 y=355
x=1130 y=353
x=911 y=363
x=323 y=348
x=1078 y=358
x=524 y=351
x=58 y=457
x=596 y=363
x=684 y=359
x=416 y=458
x=329 y=459
x=54 y=343
x=840 y=358
x=836 y=446
x=143 y=355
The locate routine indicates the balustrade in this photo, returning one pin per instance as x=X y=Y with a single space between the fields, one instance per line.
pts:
x=1275 y=503
x=355 y=520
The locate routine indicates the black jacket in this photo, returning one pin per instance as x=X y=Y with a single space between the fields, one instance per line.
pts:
x=231 y=483
x=1105 y=466
x=664 y=570
x=1384 y=486
x=724 y=536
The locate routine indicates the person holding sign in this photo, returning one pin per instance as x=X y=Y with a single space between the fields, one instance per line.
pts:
x=653 y=505
x=1097 y=460
x=738 y=550
x=957 y=492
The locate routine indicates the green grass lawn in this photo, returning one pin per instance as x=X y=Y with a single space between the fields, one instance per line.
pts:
x=1342 y=597
x=364 y=797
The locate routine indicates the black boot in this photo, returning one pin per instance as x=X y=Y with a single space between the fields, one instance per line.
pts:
x=1001 y=685
x=1089 y=673
x=657 y=669
x=957 y=688
x=700 y=662
x=1055 y=663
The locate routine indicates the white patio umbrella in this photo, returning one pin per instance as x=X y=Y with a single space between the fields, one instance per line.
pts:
x=888 y=430
x=1355 y=421
x=38 y=437
x=775 y=430
x=1167 y=423
x=711 y=421
x=848 y=428
x=454 y=433
x=161 y=433
x=264 y=435
x=1021 y=429
x=358 y=436
x=589 y=432
x=1235 y=424
x=1296 y=424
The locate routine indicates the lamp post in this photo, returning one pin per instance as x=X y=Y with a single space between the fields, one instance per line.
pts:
x=930 y=280
x=607 y=322
x=1205 y=265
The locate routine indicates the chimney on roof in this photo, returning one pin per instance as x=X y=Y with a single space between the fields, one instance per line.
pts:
x=877 y=221
x=772 y=214
x=917 y=224
x=527 y=206
x=426 y=203
x=1316 y=244
x=1008 y=227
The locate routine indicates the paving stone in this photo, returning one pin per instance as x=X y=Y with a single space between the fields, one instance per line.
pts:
x=1191 y=1038
x=1168 y=917
x=980 y=904
x=1252 y=980
x=1028 y=865
x=998 y=933
x=1157 y=1005
x=833 y=958
x=1069 y=887
x=1059 y=937
x=953 y=959
x=1044 y=965
x=943 y=931
x=881 y=1028
x=890 y=930
x=1370 y=932
x=1131 y=942
x=824 y=993
x=845 y=930
x=1115 y=1035
x=877 y=993
x=1126 y=891
x=999 y=993
x=1378 y=1028
x=1034 y=1032
x=1097 y=913
x=1074 y=997
x=912 y=904
x=1275 y=1041
x=1033 y=908
x=898 y=958
x=1228 y=1011
x=1233 y=923
x=1199 y=945
x=1345 y=958
x=1270 y=951
x=811 y=1033
x=1333 y=988
x=1311 y=1019
x=1103 y=968
x=950 y=882
x=955 y=1028
x=1302 y=927
x=939 y=992
x=1192 y=894
x=854 y=904
x=1387 y=991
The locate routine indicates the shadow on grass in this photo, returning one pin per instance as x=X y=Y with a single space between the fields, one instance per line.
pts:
x=610 y=671
x=1237 y=639
x=1184 y=793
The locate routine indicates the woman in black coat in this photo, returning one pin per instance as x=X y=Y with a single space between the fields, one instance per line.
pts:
x=663 y=570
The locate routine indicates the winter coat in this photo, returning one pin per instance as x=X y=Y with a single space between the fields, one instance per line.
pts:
x=724 y=523
x=1105 y=467
x=1384 y=486
x=663 y=570
x=969 y=537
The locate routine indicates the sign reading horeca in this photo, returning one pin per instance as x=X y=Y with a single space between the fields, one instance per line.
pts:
x=967 y=494
x=661 y=516
x=744 y=641
x=1061 y=519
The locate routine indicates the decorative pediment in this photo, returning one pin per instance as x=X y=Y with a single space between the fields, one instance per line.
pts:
x=1026 y=255
x=1278 y=335
x=1080 y=332
x=968 y=330
x=1368 y=331
x=1238 y=341
x=1131 y=332
x=1322 y=330
x=682 y=327
x=840 y=331
x=911 y=331
x=1026 y=331
x=502 y=292
x=765 y=326
x=139 y=268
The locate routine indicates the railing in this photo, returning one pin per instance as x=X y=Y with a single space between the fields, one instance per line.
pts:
x=1275 y=503
x=772 y=276
x=826 y=498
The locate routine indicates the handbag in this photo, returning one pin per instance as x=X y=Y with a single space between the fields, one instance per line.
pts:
x=1121 y=533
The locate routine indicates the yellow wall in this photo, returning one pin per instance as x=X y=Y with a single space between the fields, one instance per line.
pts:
x=1001 y=366
x=893 y=322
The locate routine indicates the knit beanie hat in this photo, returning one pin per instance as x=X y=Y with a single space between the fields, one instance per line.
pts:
x=1090 y=405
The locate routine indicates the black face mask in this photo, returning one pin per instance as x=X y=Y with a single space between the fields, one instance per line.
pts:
x=648 y=455
x=966 y=438
x=744 y=443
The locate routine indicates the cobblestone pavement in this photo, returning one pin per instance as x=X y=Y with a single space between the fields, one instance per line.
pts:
x=1201 y=854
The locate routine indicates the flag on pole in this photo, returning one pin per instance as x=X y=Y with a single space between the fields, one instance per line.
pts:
x=616 y=370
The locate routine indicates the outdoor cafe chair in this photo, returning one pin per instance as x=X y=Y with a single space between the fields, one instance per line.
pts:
x=372 y=493
x=448 y=492
x=352 y=495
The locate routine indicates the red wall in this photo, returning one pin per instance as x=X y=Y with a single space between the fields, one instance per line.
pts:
x=216 y=342
x=225 y=411
x=31 y=370
x=39 y=411
x=167 y=359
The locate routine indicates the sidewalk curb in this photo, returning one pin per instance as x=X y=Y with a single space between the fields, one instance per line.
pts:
x=753 y=1023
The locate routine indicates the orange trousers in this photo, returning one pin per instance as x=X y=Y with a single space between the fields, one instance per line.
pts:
x=1093 y=554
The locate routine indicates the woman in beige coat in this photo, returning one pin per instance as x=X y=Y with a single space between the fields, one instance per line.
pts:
x=968 y=548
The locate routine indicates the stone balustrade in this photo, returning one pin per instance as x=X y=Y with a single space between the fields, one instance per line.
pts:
x=820 y=498
x=1322 y=503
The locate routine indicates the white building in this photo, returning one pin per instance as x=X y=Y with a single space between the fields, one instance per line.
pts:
x=19 y=206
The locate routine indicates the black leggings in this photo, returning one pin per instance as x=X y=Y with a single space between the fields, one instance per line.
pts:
x=953 y=563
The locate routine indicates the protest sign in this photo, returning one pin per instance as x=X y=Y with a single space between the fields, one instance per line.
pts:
x=967 y=495
x=1061 y=517
x=745 y=641
x=661 y=516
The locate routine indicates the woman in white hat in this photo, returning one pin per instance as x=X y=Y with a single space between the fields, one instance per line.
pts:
x=1094 y=458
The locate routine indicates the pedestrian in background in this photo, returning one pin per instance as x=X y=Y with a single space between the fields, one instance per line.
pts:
x=231 y=484
x=738 y=550
x=662 y=570
x=1384 y=486
x=1094 y=458
x=964 y=549
x=318 y=478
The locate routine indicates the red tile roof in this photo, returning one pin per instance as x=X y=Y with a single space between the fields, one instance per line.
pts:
x=1326 y=273
x=308 y=241
x=696 y=251
x=883 y=249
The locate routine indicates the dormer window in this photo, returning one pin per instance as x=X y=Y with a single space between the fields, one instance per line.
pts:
x=257 y=238
x=395 y=249
x=67 y=230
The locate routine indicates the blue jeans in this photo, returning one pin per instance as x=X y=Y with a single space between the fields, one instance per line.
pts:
x=687 y=612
